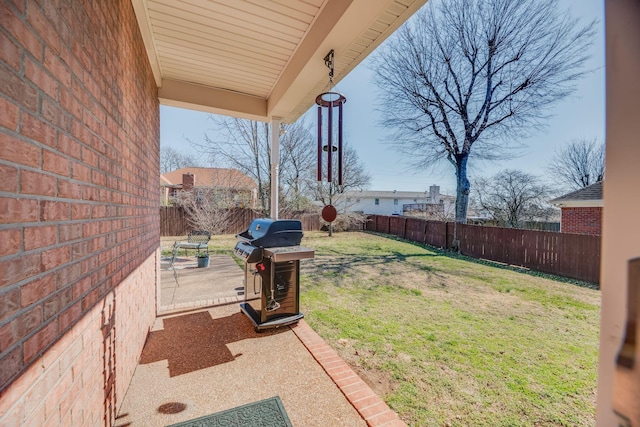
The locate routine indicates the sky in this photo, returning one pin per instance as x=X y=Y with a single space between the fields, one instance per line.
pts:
x=580 y=115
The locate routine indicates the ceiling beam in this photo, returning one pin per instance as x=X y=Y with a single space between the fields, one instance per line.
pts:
x=212 y=100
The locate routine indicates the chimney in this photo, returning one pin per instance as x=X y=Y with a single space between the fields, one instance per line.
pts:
x=188 y=181
x=434 y=193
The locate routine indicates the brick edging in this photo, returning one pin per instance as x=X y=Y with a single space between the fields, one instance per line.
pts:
x=368 y=404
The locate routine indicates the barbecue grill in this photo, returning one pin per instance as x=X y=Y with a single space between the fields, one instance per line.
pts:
x=271 y=252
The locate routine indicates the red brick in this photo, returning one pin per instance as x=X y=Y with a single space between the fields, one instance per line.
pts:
x=57 y=68
x=56 y=302
x=69 y=190
x=8 y=114
x=34 y=128
x=18 y=210
x=70 y=104
x=382 y=419
x=56 y=163
x=15 y=150
x=34 y=72
x=89 y=156
x=9 y=52
x=56 y=257
x=98 y=178
x=10 y=241
x=10 y=365
x=374 y=410
x=17 y=269
x=20 y=327
x=38 y=342
x=40 y=237
x=582 y=220
x=81 y=172
x=54 y=114
x=43 y=27
x=68 y=275
x=70 y=232
x=68 y=146
x=70 y=315
x=80 y=211
x=9 y=303
x=81 y=287
x=37 y=290
x=17 y=89
x=37 y=183
x=90 y=299
x=20 y=31
x=8 y=179
x=54 y=211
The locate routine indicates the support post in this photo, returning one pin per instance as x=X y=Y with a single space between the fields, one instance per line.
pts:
x=275 y=165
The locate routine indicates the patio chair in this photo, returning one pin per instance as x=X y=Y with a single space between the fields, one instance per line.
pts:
x=197 y=239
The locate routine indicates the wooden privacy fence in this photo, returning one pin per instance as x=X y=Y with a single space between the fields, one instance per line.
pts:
x=175 y=222
x=569 y=255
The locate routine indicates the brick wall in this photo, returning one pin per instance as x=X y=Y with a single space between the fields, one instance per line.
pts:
x=79 y=165
x=582 y=220
x=66 y=387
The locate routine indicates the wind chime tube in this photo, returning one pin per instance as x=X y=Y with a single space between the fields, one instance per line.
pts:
x=319 y=143
x=329 y=143
x=340 y=144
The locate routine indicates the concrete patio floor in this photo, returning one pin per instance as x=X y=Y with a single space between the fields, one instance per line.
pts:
x=204 y=360
x=185 y=286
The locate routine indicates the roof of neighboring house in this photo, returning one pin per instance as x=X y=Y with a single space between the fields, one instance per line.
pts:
x=419 y=195
x=210 y=177
x=589 y=196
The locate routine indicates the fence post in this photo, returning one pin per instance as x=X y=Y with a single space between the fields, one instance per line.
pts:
x=404 y=229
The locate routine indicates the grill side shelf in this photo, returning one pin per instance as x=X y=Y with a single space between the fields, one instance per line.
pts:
x=288 y=253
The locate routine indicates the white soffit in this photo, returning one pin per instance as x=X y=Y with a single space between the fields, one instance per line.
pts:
x=259 y=58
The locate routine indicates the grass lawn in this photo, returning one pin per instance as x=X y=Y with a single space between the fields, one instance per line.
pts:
x=449 y=342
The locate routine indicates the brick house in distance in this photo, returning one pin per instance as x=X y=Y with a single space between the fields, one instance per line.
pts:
x=582 y=210
x=227 y=185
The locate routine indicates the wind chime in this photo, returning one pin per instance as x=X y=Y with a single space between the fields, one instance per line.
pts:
x=329 y=101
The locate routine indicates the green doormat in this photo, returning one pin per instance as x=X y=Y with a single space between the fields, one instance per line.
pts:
x=265 y=413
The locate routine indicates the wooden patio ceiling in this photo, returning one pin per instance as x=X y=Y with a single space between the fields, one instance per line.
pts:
x=259 y=58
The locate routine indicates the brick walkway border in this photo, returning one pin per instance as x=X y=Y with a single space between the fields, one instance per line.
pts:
x=368 y=404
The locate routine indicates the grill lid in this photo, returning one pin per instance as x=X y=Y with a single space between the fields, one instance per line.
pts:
x=265 y=232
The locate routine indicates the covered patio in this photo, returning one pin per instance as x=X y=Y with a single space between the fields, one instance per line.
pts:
x=79 y=158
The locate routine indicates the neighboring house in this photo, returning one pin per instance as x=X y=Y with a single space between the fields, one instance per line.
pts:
x=582 y=210
x=415 y=203
x=229 y=186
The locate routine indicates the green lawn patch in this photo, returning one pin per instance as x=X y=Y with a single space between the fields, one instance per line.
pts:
x=449 y=342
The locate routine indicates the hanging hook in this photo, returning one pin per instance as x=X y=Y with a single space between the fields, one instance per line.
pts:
x=328 y=61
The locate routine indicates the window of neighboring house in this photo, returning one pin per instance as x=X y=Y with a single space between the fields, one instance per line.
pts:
x=415 y=200
x=395 y=202
x=377 y=201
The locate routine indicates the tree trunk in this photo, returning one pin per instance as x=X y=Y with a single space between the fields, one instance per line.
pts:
x=462 y=188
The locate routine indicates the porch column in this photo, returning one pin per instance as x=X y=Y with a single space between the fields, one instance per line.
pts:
x=619 y=387
x=275 y=165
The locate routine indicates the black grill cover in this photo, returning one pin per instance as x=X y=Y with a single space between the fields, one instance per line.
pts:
x=270 y=233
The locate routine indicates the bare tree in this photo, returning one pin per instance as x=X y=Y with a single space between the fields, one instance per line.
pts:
x=297 y=158
x=171 y=160
x=243 y=145
x=246 y=146
x=205 y=212
x=579 y=163
x=513 y=196
x=467 y=77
